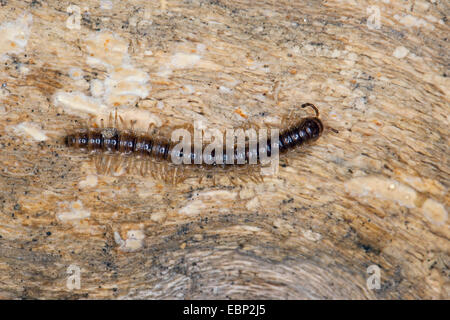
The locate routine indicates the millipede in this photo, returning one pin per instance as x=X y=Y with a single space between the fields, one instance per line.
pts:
x=112 y=140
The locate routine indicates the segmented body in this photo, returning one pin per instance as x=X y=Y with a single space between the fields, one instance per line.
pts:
x=112 y=140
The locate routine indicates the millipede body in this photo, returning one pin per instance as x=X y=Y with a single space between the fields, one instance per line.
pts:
x=112 y=140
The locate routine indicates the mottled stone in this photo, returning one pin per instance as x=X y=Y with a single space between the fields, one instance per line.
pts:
x=371 y=193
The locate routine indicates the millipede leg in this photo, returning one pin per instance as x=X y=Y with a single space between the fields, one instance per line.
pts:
x=92 y=122
x=105 y=164
x=146 y=167
x=231 y=180
x=153 y=170
x=110 y=120
x=128 y=162
x=261 y=177
x=122 y=123
x=142 y=168
x=117 y=163
x=132 y=123
x=160 y=171
x=98 y=163
x=174 y=179
x=150 y=129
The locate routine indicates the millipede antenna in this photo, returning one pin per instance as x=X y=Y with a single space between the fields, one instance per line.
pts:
x=312 y=106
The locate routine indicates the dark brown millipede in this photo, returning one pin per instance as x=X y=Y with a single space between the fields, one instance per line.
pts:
x=112 y=140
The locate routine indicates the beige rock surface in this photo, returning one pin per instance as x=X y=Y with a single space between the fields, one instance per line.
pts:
x=373 y=191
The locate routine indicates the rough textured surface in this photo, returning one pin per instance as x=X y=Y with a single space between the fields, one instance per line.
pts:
x=371 y=192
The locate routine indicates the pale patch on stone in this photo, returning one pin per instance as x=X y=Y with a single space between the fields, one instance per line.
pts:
x=23 y=69
x=224 y=89
x=386 y=189
x=250 y=228
x=97 y=88
x=125 y=84
x=146 y=189
x=414 y=57
x=308 y=47
x=107 y=49
x=164 y=72
x=31 y=130
x=14 y=35
x=160 y=105
x=106 y=4
x=128 y=83
x=312 y=236
x=133 y=242
x=76 y=73
x=198 y=237
x=435 y=212
x=351 y=59
x=253 y=204
x=335 y=89
x=432 y=18
x=194 y=207
x=411 y=21
x=90 y=181
x=246 y=193
x=188 y=89
x=421 y=6
x=118 y=239
x=4 y=91
x=182 y=60
x=336 y=53
x=272 y=120
x=130 y=74
x=282 y=226
x=203 y=201
x=76 y=212
x=179 y=60
x=158 y=216
x=76 y=102
x=218 y=195
x=423 y=184
x=80 y=84
x=200 y=48
x=400 y=52
x=335 y=115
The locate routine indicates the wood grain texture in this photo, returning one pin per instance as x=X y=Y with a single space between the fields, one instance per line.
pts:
x=373 y=191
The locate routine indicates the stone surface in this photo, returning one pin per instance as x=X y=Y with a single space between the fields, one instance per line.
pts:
x=372 y=191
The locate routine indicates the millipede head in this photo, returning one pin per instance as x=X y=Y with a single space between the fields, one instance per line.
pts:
x=313 y=126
